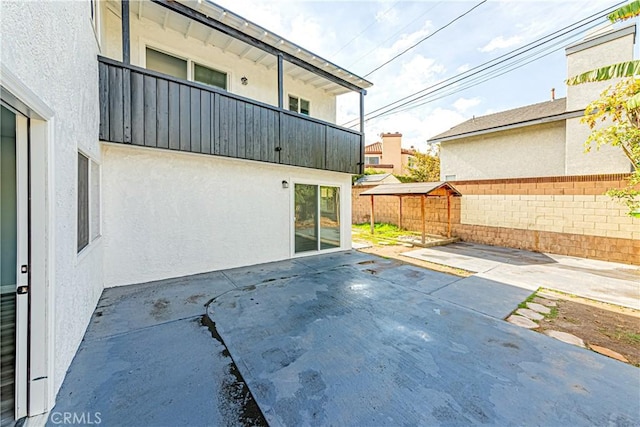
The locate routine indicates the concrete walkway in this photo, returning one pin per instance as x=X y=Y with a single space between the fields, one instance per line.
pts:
x=339 y=339
x=599 y=280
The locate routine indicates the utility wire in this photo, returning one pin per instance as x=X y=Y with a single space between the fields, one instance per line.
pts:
x=375 y=21
x=425 y=38
x=490 y=64
x=483 y=78
x=477 y=81
x=394 y=34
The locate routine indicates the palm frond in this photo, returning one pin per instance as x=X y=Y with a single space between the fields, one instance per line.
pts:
x=625 y=12
x=622 y=69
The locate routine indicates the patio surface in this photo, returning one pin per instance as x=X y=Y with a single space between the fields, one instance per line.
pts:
x=338 y=339
x=610 y=282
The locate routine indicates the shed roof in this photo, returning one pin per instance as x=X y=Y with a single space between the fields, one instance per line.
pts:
x=523 y=116
x=412 y=188
x=376 y=178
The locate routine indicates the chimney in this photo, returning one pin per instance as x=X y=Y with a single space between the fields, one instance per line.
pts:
x=553 y=93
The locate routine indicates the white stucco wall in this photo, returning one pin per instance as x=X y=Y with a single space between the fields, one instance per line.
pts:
x=608 y=159
x=51 y=47
x=524 y=152
x=169 y=214
x=263 y=82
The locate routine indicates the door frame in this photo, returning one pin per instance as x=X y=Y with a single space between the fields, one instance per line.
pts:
x=40 y=388
x=292 y=212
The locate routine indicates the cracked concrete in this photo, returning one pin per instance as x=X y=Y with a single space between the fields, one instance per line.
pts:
x=339 y=339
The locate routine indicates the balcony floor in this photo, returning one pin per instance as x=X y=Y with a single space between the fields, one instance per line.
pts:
x=337 y=339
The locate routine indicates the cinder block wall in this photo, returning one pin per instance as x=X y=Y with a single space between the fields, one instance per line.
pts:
x=567 y=215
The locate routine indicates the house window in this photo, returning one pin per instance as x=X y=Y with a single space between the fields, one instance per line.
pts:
x=166 y=64
x=209 y=76
x=177 y=67
x=449 y=177
x=88 y=201
x=372 y=160
x=410 y=162
x=298 y=105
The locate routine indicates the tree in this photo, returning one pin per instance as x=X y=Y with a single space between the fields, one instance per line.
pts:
x=623 y=131
x=619 y=107
x=425 y=167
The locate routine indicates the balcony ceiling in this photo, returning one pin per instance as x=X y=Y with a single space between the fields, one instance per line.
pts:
x=189 y=28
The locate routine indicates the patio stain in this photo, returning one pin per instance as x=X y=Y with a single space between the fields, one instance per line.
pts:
x=160 y=310
x=235 y=390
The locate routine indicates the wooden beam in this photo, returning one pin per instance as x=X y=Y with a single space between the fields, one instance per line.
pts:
x=372 y=219
x=126 y=33
x=449 y=214
x=361 y=164
x=424 y=224
x=400 y=213
x=280 y=82
x=239 y=35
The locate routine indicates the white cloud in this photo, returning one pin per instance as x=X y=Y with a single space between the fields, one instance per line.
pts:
x=386 y=16
x=463 y=104
x=500 y=43
x=463 y=68
x=418 y=73
x=405 y=41
x=309 y=33
x=415 y=126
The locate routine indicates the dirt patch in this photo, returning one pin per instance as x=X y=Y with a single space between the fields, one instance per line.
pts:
x=396 y=251
x=600 y=324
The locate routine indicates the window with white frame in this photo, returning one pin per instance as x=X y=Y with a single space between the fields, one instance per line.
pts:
x=299 y=105
x=372 y=160
x=88 y=201
x=179 y=68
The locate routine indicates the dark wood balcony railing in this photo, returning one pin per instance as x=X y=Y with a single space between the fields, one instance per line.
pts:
x=145 y=108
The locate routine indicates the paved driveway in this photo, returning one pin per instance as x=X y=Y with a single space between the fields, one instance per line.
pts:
x=340 y=339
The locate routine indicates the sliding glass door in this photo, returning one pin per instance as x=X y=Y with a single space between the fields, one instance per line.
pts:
x=317 y=218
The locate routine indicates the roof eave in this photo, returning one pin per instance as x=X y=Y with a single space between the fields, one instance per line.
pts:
x=541 y=120
x=284 y=46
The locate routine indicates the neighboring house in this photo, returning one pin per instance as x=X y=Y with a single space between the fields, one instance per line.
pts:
x=544 y=139
x=147 y=140
x=377 y=179
x=388 y=155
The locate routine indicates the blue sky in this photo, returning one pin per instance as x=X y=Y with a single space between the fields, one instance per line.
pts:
x=361 y=35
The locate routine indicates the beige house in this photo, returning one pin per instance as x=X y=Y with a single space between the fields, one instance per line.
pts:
x=388 y=155
x=544 y=139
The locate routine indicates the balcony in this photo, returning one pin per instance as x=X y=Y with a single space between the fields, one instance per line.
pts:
x=145 y=108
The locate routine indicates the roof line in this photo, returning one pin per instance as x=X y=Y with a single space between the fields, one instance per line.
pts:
x=540 y=120
x=183 y=7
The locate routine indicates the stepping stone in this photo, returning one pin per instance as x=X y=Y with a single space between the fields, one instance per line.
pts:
x=544 y=301
x=522 y=321
x=612 y=354
x=538 y=307
x=529 y=314
x=548 y=296
x=565 y=337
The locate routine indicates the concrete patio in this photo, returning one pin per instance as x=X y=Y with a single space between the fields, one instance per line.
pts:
x=339 y=339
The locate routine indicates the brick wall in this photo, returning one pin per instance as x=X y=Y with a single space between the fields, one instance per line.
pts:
x=566 y=215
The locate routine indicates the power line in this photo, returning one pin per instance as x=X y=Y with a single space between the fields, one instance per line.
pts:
x=425 y=38
x=483 y=78
x=468 y=73
x=395 y=34
x=375 y=21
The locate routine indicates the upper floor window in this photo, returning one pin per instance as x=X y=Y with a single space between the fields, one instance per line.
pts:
x=179 y=68
x=298 y=105
x=209 y=76
x=372 y=160
x=166 y=64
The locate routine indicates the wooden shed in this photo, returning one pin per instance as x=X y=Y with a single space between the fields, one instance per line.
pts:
x=415 y=189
